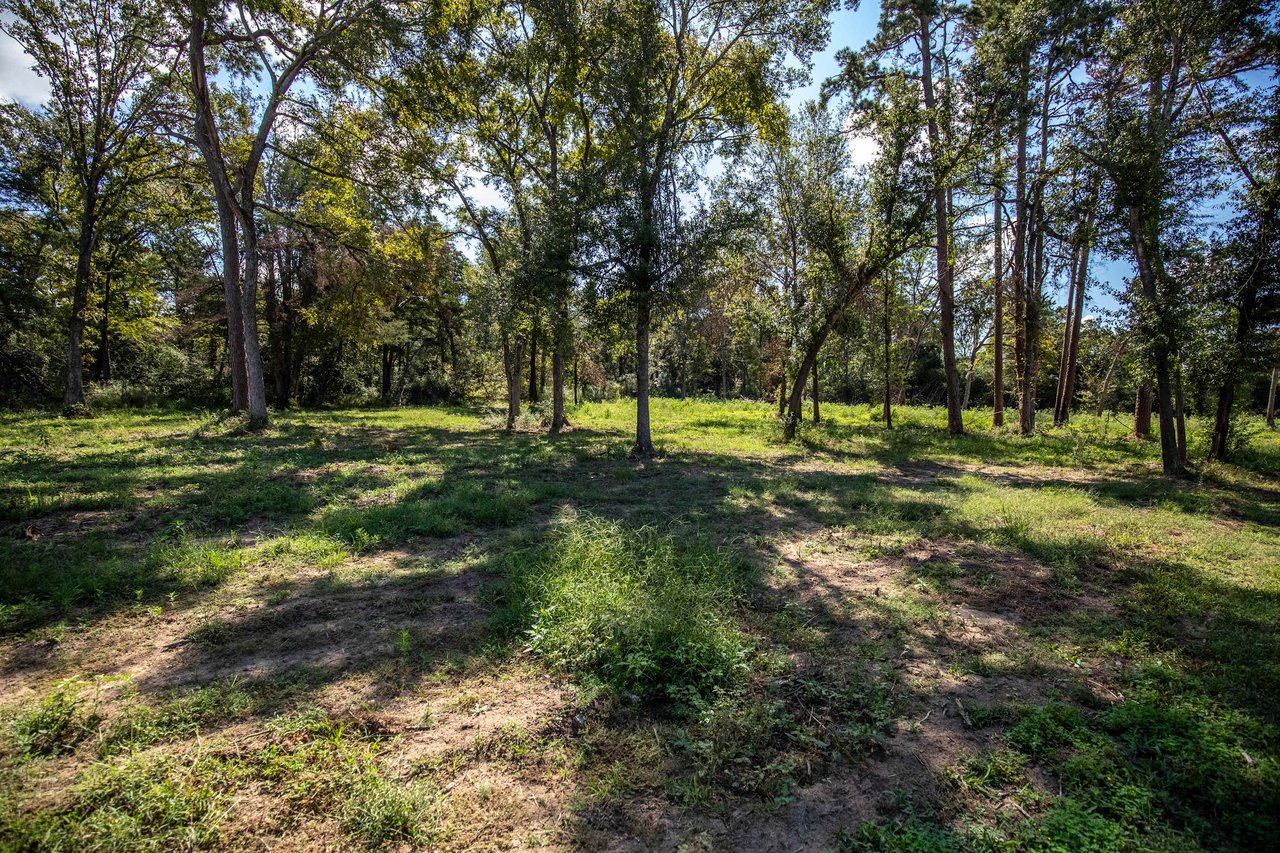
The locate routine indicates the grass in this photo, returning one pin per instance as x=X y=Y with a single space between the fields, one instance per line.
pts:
x=405 y=628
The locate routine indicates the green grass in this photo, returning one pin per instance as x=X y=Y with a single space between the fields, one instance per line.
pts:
x=708 y=612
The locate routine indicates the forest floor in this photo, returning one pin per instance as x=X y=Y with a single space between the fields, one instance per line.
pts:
x=405 y=629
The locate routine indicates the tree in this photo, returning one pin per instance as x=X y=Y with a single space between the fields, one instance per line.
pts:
x=107 y=83
x=1150 y=143
x=280 y=44
x=675 y=80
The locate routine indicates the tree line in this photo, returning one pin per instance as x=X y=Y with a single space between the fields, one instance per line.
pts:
x=270 y=203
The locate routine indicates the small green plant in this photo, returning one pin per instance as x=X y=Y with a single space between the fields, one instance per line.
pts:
x=59 y=721
x=647 y=615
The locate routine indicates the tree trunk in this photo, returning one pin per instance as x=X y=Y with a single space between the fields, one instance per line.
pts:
x=1271 y=398
x=1021 y=344
x=559 y=346
x=997 y=389
x=942 y=229
x=1180 y=417
x=533 y=365
x=104 y=334
x=385 y=387
x=817 y=416
x=512 y=361
x=1142 y=412
x=1066 y=337
x=887 y=412
x=79 y=297
x=644 y=441
x=1142 y=231
x=257 y=396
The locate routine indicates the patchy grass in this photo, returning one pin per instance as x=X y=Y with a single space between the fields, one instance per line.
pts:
x=405 y=629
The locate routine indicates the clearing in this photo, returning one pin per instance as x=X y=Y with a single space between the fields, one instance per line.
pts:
x=405 y=629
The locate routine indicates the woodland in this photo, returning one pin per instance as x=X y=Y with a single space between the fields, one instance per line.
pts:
x=639 y=425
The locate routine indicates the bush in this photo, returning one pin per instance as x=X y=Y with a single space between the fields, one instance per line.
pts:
x=632 y=608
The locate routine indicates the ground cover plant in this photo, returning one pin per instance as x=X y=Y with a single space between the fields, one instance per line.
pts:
x=406 y=628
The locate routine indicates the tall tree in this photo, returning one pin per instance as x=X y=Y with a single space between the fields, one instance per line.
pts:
x=675 y=80
x=1150 y=142
x=254 y=40
x=106 y=83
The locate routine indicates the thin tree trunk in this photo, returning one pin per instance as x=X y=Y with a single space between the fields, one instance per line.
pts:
x=887 y=412
x=512 y=362
x=1142 y=232
x=1142 y=412
x=942 y=228
x=249 y=311
x=1271 y=398
x=1020 y=342
x=997 y=390
x=104 y=334
x=533 y=365
x=1066 y=337
x=817 y=416
x=1180 y=417
x=1106 y=381
x=644 y=440
x=79 y=297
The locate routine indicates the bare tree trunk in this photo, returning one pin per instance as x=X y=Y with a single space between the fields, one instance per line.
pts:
x=942 y=228
x=104 y=334
x=231 y=297
x=1271 y=398
x=1066 y=337
x=1180 y=417
x=887 y=411
x=79 y=298
x=1142 y=412
x=558 y=419
x=249 y=311
x=644 y=440
x=533 y=364
x=1020 y=343
x=817 y=417
x=512 y=361
x=997 y=389
x=1106 y=381
x=1162 y=345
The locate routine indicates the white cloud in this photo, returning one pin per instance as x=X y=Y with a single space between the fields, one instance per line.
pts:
x=17 y=81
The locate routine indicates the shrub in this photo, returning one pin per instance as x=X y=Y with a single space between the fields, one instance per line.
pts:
x=635 y=609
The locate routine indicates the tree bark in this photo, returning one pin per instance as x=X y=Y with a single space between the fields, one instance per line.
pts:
x=79 y=298
x=1142 y=412
x=817 y=416
x=1020 y=342
x=997 y=383
x=942 y=228
x=1142 y=232
x=533 y=365
x=1271 y=398
x=887 y=411
x=512 y=361
x=103 y=363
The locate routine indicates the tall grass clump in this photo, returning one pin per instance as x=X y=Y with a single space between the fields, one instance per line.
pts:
x=637 y=610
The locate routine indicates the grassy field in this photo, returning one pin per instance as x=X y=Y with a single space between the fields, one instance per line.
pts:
x=400 y=629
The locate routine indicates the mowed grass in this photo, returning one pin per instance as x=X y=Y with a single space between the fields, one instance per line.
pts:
x=737 y=623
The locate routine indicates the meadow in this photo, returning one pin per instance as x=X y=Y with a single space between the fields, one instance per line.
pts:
x=408 y=629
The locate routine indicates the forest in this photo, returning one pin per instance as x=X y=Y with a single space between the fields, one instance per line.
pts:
x=639 y=424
